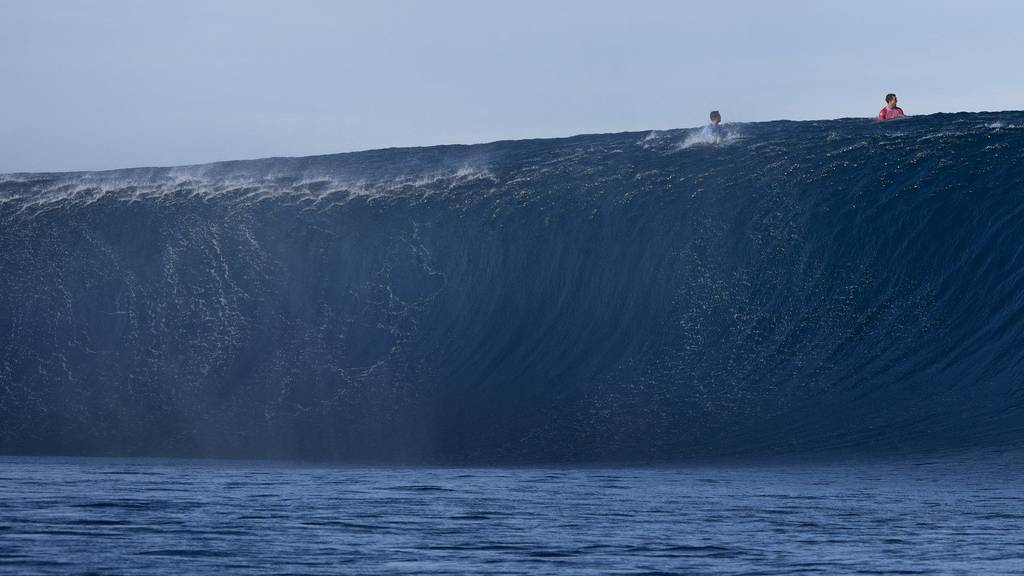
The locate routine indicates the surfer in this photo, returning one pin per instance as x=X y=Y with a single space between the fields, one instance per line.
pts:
x=891 y=110
x=713 y=132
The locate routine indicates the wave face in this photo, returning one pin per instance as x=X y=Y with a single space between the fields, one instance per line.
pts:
x=807 y=287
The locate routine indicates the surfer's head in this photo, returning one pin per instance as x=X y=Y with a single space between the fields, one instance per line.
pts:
x=890 y=99
x=715 y=117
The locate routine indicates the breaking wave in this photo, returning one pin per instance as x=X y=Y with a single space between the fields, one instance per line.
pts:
x=809 y=287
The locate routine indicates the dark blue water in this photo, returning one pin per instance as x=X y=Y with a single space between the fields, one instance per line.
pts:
x=961 y=514
x=839 y=287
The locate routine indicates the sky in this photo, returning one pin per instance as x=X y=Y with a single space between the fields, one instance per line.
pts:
x=92 y=85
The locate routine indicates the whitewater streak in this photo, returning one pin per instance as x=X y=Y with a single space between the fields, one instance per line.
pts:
x=809 y=287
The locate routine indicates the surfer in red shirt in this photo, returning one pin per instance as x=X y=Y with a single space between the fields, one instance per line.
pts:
x=891 y=110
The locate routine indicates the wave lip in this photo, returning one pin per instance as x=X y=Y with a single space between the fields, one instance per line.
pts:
x=807 y=288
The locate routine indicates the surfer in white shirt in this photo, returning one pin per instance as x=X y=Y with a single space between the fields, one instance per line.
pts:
x=713 y=132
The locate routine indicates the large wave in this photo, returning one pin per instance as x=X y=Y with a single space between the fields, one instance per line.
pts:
x=809 y=287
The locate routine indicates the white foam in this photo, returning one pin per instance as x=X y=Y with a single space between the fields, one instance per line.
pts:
x=86 y=189
x=697 y=137
x=1000 y=125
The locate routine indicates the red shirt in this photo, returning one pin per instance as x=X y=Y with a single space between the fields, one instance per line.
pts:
x=887 y=114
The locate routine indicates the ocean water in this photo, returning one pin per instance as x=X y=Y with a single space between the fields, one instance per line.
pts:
x=829 y=286
x=956 y=514
x=831 y=311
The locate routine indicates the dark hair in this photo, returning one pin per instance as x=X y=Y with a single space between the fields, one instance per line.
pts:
x=889 y=98
x=715 y=113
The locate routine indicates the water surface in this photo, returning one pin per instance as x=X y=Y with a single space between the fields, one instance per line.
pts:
x=953 y=515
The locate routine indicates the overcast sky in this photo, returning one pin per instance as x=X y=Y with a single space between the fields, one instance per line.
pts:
x=108 y=84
